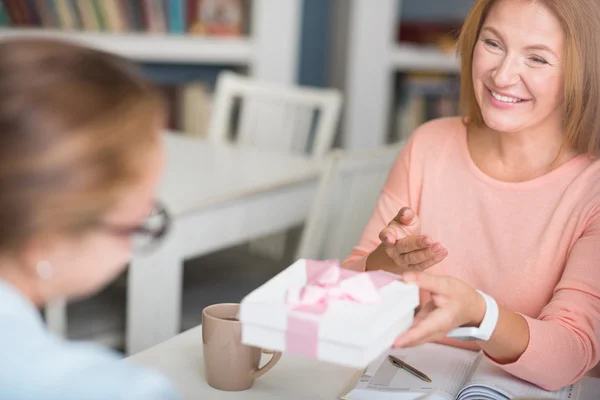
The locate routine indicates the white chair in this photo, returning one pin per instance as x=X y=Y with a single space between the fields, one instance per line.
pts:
x=273 y=116
x=347 y=194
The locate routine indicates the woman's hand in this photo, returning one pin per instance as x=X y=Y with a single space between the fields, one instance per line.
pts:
x=453 y=304
x=406 y=247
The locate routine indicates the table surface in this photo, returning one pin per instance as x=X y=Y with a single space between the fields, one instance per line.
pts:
x=180 y=358
x=224 y=172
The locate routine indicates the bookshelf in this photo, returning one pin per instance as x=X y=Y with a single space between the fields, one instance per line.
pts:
x=269 y=51
x=152 y=47
x=179 y=44
x=407 y=57
x=373 y=60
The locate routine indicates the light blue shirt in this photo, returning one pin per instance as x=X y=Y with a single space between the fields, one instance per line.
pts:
x=36 y=365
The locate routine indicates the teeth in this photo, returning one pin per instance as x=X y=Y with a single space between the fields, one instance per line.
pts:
x=505 y=98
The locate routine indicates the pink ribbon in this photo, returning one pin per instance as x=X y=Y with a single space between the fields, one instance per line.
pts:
x=326 y=283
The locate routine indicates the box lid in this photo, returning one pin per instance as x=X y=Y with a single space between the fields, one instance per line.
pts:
x=343 y=321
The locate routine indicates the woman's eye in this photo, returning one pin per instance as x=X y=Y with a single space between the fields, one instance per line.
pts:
x=492 y=44
x=538 y=60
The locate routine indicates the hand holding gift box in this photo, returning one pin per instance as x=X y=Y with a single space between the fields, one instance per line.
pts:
x=319 y=310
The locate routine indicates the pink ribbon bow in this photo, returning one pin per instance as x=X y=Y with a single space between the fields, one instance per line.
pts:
x=333 y=284
x=327 y=282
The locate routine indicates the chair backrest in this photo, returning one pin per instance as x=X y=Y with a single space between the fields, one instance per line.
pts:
x=274 y=116
x=350 y=186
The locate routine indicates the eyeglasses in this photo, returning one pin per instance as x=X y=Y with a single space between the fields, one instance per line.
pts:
x=147 y=235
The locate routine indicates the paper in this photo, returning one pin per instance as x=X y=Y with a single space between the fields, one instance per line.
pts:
x=448 y=368
x=589 y=388
x=455 y=374
x=487 y=376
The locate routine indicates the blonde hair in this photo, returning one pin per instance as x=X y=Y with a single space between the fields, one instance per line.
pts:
x=75 y=124
x=579 y=19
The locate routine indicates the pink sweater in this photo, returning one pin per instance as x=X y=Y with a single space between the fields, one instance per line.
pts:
x=534 y=246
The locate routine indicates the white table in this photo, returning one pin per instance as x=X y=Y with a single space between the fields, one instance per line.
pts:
x=293 y=377
x=218 y=195
x=180 y=358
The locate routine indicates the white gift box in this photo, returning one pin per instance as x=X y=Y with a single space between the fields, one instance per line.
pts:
x=318 y=310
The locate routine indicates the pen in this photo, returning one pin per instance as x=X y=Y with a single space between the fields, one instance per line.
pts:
x=401 y=364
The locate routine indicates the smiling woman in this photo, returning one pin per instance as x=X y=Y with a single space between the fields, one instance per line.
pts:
x=546 y=56
x=501 y=206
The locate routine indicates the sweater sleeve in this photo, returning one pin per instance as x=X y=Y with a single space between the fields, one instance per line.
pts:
x=564 y=339
x=394 y=195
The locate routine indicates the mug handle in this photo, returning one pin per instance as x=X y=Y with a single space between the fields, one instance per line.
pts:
x=258 y=372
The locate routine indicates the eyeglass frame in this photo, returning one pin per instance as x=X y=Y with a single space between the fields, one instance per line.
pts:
x=156 y=235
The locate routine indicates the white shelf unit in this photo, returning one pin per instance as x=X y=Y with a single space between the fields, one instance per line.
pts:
x=270 y=52
x=175 y=49
x=407 y=57
x=373 y=59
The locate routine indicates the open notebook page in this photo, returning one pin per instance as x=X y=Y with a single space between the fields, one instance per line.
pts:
x=448 y=368
x=589 y=388
x=490 y=382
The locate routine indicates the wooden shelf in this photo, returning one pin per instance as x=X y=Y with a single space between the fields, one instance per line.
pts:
x=408 y=57
x=154 y=47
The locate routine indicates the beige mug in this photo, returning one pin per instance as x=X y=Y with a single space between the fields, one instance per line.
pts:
x=229 y=364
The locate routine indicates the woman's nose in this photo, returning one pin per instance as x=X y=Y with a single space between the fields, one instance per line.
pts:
x=507 y=73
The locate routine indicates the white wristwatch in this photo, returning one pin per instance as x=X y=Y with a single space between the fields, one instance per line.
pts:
x=488 y=324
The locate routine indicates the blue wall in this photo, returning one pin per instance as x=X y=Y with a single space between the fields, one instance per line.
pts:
x=418 y=10
x=314 y=43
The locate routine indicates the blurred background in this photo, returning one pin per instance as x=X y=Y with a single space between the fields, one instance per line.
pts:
x=391 y=61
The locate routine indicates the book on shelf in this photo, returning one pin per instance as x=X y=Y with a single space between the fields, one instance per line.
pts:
x=218 y=17
x=442 y=34
x=421 y=98
x=456 y=374
x=195 y=17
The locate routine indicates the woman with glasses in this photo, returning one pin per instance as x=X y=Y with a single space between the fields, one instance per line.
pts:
x=80 y=158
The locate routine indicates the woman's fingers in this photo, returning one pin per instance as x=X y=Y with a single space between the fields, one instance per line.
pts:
x=424 y=312
x=405 y=223
x=433 y=338
x=416 y=252
x=407 y=245
x=416 y=257
x=413 y=243
x=406 y=216
x=392 y=232
x=404 y=244
x=436 y=323
x=422 y=315
x=435 y=284
x=430 y=262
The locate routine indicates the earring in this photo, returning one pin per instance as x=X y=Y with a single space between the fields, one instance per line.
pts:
x=44 y=270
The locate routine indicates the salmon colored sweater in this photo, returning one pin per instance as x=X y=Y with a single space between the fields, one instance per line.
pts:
x=534 y=246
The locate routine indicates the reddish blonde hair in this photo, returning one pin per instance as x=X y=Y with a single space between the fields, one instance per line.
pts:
x=579 y=19
x=75 y=124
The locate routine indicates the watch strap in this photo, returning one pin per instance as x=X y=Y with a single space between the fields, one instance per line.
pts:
x=486 y=328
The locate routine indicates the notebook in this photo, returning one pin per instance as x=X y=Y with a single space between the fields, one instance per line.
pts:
x=456 y=374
